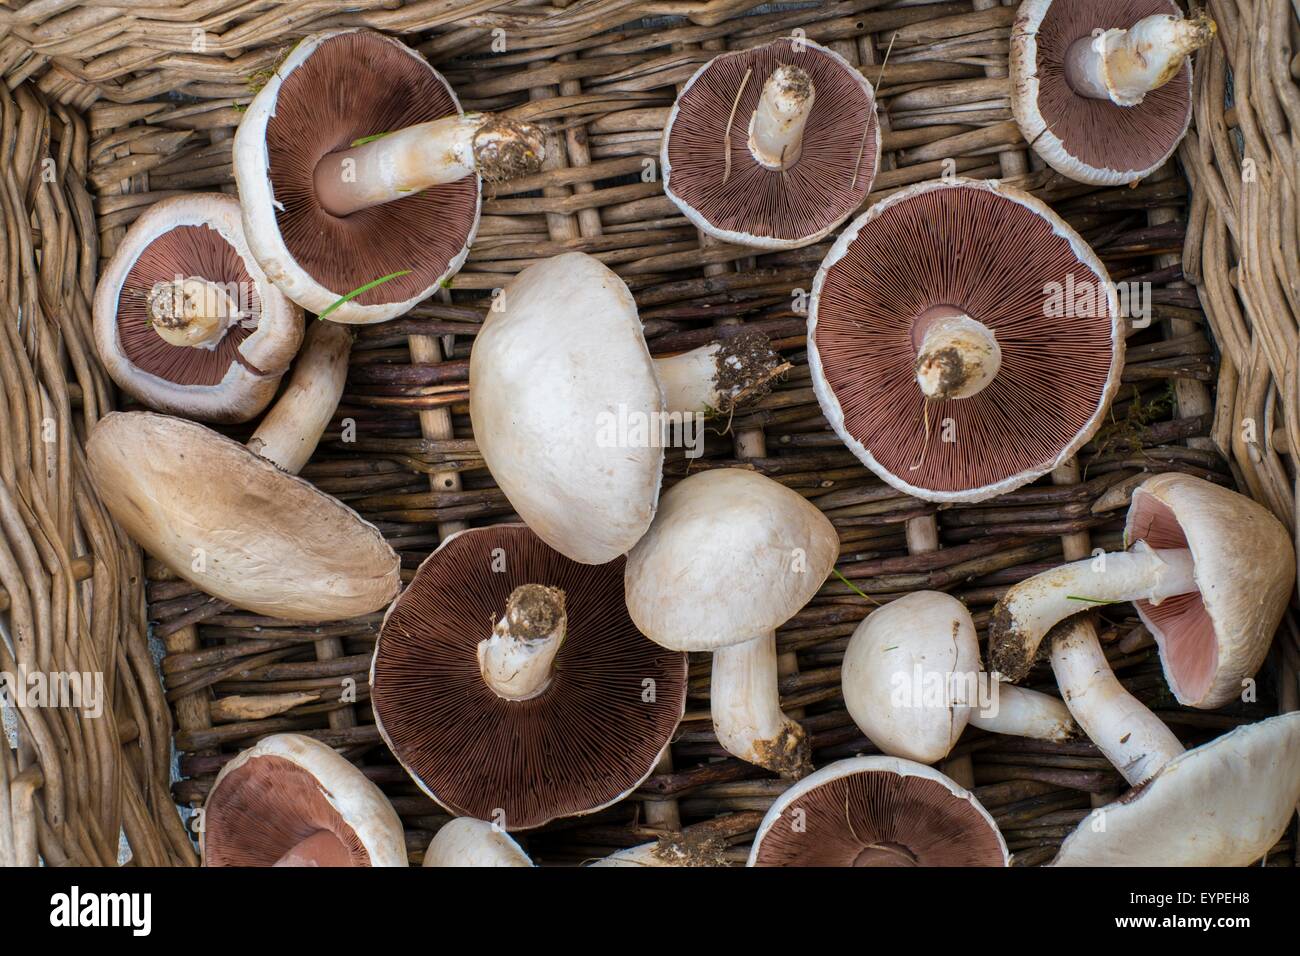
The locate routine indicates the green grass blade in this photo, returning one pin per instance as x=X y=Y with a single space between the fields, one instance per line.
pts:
x=363 y=289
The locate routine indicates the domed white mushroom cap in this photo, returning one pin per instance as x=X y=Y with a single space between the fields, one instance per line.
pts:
x=565 y=405
x=469 y=842
x=731 y=556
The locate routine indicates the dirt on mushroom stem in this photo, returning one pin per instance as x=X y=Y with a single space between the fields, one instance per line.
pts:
x=535 y=611
x=506 y=149
x=789 y=753
x=747 y=368
x=954 y=374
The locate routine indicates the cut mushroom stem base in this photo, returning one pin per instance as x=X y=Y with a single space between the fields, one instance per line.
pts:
x=746 y=707
x=191 y=311
x=322 y=848
x=1132 y=738
x=409 y=160
x=958 y=356
x=1033 y=607
x=776 y=128
x=714 y=379
x=1021 y=712
x=516 y=661
x=1123 y=66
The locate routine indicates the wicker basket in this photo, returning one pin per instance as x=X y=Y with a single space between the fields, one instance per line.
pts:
x=109 y=107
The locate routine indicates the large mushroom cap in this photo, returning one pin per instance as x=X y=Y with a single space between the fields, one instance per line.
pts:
x=1223 y=804
x=731 y=556
x=292 y=800
x=198 y=235
x=1003 y=258
x=236 y=526
x=587 y=740
x=877 y=811
x=332 y=90
x=560 y=378
x=756 y=206
x=1091 y=140
x=1213 y=639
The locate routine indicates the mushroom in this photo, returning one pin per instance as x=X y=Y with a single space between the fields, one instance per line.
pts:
x=681 y=849
x=570 y=412
x=186 y=321
x=772 y=147
x=963 y=340
x=292 y=801
x=1224 y=803
x=468 y=842
x=877 y=811
x=1103 y=90
x=1209 y=570
x=234 y=520
x=730 y=557
x=510 y=683
x=912 y=681
x=355 y=162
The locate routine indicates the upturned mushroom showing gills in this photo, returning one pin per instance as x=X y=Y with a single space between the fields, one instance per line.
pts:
x=469 y=842
x=356 y=164
x=731 y=557
x=292 y=801
x=877 y=811
x=772 y=147
x=511 y=684
x=1209 y=570
x=186 y=322
x=572 y=414
x=234 y=520
x=1102 y=89
x=963 y=340
x=912 y=681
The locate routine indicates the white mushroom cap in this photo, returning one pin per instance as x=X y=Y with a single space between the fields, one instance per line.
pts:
x=1223 y=804
x=269 y=349
x=731 y=556
x=469 y=842
x=563 y=359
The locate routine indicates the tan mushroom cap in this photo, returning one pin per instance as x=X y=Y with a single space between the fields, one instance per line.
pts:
x=731 y=556
x=1212 y=641
x=1224 y=804
x=236 y=526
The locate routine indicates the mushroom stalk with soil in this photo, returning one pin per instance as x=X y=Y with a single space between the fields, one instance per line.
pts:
x=516 y=661
x=716 y=378
x=1124 y=65
x=777 y=126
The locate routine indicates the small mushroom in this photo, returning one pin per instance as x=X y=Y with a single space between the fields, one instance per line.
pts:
x=730 y=557
x=772 y=147
x=186 y=322
x=570 y=411
x=292 y=801
x=877 y=811
x=1209 y=570
x=234 y=520
x=681 y=849
x=1225 y=803
x=912 y=681
x=511 y=684
x=963 y=340
x=1103 y=90
x=355 y=162
x=469 y=842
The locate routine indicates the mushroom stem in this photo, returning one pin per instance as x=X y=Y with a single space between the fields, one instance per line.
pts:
x=776 y=128
x=191 y=311
x=958 y=356
x=716 y=378
x=409 y=160
x=1021 y=712
x=322 y=848
x=746 y=707
x=516 y=660
x=1123 y=66
x=290 y=431
x=1033 y=607
x=1135 y=740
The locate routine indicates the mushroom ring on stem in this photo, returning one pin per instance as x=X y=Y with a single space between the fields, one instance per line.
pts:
x=355 y=162
x=511 y=684
x=233 y=520
x=1102 y=89
x=963 y=340
x=572 y=414
x=469 y=842
x=186 y=321
x=912 y=681
x=1209 y=570
x=292 y=801
x=731 y=557
x=877 y=811
x=1226 y=803
x=772 y=147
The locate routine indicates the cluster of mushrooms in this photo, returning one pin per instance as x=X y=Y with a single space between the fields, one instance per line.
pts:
x=538 y=670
